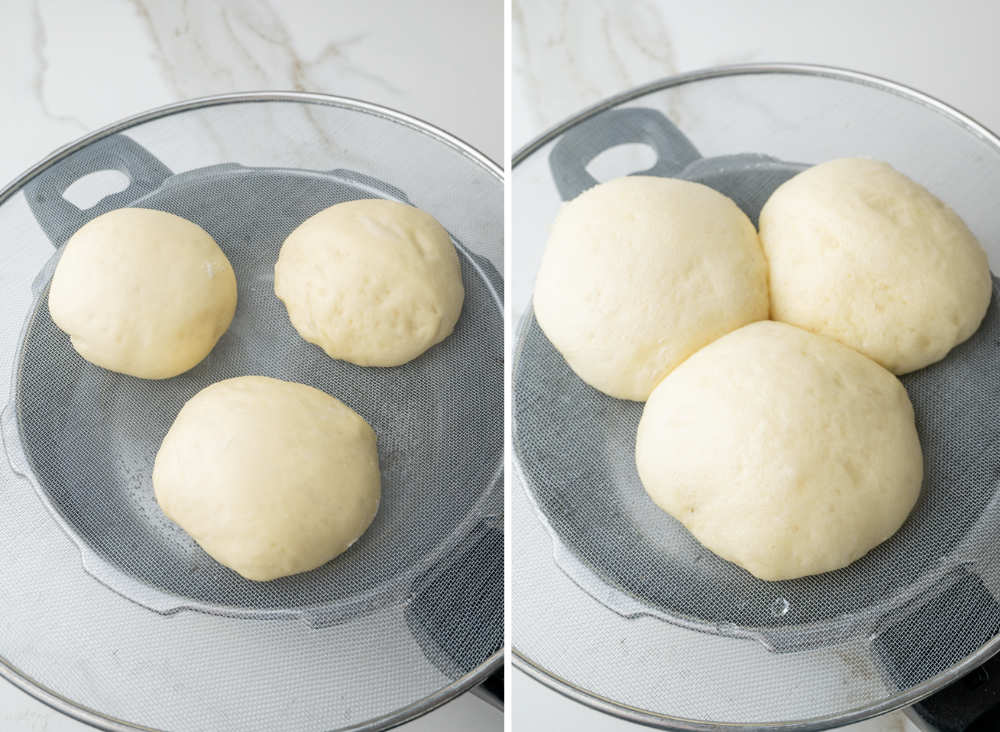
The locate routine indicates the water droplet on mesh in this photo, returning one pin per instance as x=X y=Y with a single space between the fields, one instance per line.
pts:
x=779 y=607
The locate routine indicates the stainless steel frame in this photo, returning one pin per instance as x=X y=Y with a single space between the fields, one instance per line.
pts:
x=90 y=716
x=641 y=716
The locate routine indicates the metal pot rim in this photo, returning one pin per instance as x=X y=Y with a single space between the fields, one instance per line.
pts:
x=90 y=716
x=567 y=688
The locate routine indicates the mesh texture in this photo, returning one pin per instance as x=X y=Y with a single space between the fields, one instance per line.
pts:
x=635 y=611
x=126 y=615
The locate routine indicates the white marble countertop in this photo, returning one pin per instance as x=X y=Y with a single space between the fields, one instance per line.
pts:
x=71 y=67
x=82 y=65
x=566 y=58
x=569 y=55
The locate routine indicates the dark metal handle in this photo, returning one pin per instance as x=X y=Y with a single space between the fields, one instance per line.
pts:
x=584 y=142
x=491 y=690
x=971 y=704
x=457 y=598
x=58 y=217
x=953 y=623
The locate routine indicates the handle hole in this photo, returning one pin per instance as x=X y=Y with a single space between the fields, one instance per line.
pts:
x=621 y=160
x=91 y=189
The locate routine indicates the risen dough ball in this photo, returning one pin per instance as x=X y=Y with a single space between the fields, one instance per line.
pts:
x=861 y=253
x=372 y=282
x=270 y=477
x=782 y=451
x=143 y=292
x=641 y=272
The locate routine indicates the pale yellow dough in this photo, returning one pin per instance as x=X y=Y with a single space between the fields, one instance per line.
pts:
x=373 y=282
x=270 y=477
x=143 y=293
x=641 y=272
x=782 y=451
x=861 y=253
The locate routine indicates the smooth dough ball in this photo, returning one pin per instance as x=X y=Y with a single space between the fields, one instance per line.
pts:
x=373 y=282
x=861 y=253
x=143 y=293
x=641 y=272
x=270 y=477
x=782 y=451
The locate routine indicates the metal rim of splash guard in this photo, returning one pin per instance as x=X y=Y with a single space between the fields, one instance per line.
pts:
x=90 y=716
x=645 y=717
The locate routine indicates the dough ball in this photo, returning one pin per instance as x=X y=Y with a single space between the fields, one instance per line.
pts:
x=270 y=477
x=782 y=451
x=861 y=253
x=143 y=293
x=372 y=282
x=641 y=272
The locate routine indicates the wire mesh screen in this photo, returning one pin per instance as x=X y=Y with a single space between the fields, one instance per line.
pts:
x=577 y=449
x=644 y=594
x=413 y=606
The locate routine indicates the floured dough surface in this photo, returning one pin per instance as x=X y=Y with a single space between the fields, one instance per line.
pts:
x=782 y=451
x=143 y=292
x=861 y=253
x=270 y=477
x=639 y=273
x=373 y=282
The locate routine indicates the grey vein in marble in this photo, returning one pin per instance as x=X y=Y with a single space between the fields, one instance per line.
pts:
x=42 y=66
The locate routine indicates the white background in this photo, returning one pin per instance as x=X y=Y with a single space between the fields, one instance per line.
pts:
x=568 y=55
x=70 y=66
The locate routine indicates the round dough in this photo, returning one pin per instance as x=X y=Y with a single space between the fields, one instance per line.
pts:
x=270 y=477
x=373 y=282
x=641 y=272
x=782 y=451
x=861 y=253
x=143 y=293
